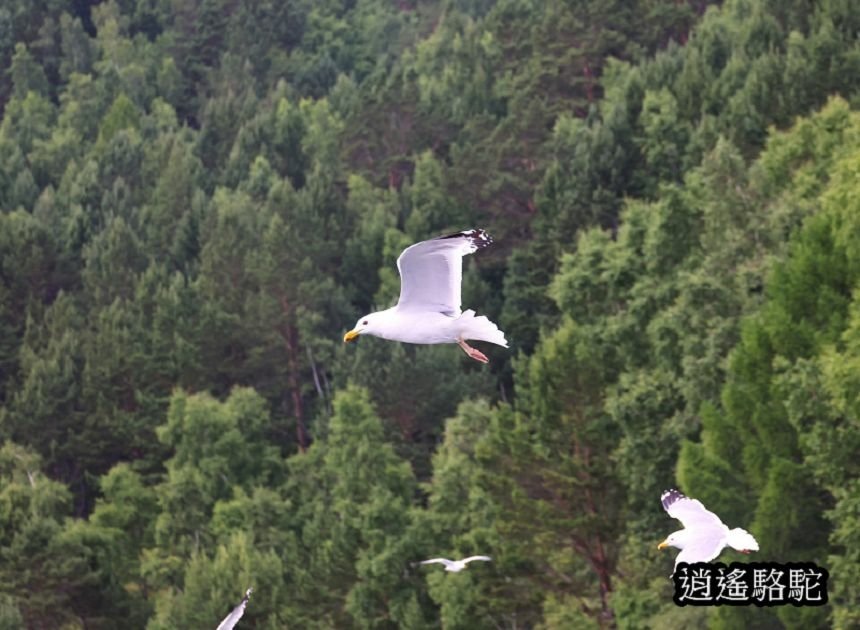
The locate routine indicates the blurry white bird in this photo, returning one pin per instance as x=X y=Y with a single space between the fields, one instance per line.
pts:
x=428 y=310
x=704 y=535
x=231 y=619
x=456 y=565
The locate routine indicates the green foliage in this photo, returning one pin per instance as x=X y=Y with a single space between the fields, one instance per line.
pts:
x=54 y=571
x=27 y=74
x=462 y=518
x=215 y=446
x=806 y=311
x=198 y=196
x=210 y=591
x=352 y=495
x=219 y=449
x=412 y=389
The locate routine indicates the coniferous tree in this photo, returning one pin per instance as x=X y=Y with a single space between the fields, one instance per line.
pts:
x=352 y=495
x=204 y=194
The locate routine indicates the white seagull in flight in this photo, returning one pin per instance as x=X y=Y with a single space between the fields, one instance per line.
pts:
x=704 y=535
x=456 y=566
x=428 y=310
x=233 y=618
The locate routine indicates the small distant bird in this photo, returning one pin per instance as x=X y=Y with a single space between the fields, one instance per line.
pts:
x=428 y=310
x=704 y=535
x=231 y=619
x=455 y=566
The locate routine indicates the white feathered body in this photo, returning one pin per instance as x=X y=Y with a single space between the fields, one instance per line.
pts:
x=455 y=566
x=704 y=535
x=737 y=538
x=427 y=327
x=233 y=618
x=428 y=311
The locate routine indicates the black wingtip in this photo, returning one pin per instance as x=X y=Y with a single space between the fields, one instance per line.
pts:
x=477 y=237
x=669 y=497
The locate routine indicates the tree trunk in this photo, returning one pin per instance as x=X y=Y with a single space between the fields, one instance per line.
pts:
x=291 y=342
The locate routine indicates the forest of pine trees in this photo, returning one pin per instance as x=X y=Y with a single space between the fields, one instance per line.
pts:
x=199 y=197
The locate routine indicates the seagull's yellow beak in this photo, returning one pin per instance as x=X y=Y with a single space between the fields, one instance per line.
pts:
x=663 y=545
x=352 y=335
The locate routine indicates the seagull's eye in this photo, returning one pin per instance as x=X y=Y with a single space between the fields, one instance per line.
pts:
x=364 y=323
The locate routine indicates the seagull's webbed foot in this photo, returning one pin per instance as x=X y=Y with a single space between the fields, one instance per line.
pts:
x=473 y=352
x=746 y=551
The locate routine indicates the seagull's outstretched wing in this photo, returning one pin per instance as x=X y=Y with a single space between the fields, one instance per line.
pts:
x=231 y=619
x=690 y=512
x=431 y=272
x=471 y=558
x=444 y=561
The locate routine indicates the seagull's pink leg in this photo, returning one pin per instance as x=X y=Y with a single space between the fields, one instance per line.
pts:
x=473 y=352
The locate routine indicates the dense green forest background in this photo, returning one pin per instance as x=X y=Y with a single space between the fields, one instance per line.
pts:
x=198 y=197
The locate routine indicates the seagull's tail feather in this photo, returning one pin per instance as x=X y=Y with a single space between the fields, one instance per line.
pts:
x=481 y=329
x=741 y=540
